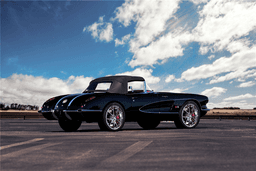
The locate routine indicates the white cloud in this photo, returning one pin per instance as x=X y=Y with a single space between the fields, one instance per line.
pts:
x=240 y=74
x=124 y=40
x=150 y=17
x=100 y=30
x=240 y=97
x=247 y=84
x=178 y=90
x=238 y=45
x=28 y=89
x=199 y=1
x=237 y=63
x=106 y=33
x=211 y=57
x=157 y=36
x=151 y=23
x=241 y=105
x=165 y=47
x=214 y=92
x=146 y=73
x=169 y=78
x=223 y=21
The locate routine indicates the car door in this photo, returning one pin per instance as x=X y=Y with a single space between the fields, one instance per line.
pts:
x=144 y=99
x=166 y=102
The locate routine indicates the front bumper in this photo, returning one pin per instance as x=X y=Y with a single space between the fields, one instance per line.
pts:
x=204 y=110
x=80 y=114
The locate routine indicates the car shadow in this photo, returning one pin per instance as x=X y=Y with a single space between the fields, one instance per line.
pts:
x=126 y=129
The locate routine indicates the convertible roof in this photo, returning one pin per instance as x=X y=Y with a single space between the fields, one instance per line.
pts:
x=119 y=78
x=119 y=82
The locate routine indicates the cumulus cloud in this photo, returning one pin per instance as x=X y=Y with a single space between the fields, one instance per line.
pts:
x=222 y=26
x=151 y=23
x=240 y=104
x=169 y=78
x=247 y=84
x=178 y=90
x=150 y=17
x=100 y=30
x=237 y=64
x=199 y=1
x=214 y=92
x=123 y=41
x=211 y=57
x=240 y=74
x=170 y=45
x=146 y=73
x=28 y=89
x=222 y=22
x=240 y=97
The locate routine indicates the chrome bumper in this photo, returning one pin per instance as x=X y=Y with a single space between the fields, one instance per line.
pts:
x=82 y=110
x=68 y=113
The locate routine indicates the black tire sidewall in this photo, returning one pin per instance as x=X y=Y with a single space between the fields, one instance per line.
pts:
x=69 y=126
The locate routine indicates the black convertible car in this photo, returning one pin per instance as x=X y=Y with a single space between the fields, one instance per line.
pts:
x=111 y=101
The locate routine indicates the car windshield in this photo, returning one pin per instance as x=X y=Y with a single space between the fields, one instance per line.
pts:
x=138 y=87
x=98 y=86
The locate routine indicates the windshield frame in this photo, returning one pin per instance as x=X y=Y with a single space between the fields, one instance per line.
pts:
x=92 y=87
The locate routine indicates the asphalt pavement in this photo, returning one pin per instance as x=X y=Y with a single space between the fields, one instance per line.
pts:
x=39 y=144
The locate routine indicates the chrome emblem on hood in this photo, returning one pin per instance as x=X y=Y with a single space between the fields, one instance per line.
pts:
x=65 y=101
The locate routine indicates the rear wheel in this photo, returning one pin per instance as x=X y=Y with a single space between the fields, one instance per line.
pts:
x=113 y=117
x=149 y=123
x=189 y=116
x=68 y=125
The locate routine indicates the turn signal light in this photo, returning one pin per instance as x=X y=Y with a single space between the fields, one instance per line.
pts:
x=50 y=99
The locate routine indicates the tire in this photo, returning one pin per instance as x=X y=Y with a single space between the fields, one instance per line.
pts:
x=69 y=126
x=150 y=123
x=113 y=118
x=189 y=116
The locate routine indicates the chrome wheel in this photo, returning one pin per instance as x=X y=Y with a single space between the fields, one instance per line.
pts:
x=114 y=117
x=190 y=115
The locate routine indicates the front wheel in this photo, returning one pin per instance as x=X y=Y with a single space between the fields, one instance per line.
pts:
x=113 y=118
x=68 y=125
x=189 y=116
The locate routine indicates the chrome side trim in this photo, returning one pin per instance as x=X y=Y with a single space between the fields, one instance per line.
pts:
x=88 y=110
x=77 y=97
x=159 y=112
x=70 y=111
x=82 y=110
x=45 y=111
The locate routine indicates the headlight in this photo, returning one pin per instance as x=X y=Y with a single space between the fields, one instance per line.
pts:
x=65 y=101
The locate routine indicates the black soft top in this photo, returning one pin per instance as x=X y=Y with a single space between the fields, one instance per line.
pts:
x=119 y=83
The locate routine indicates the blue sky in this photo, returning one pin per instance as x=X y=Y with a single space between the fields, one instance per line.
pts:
x=56 y=47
